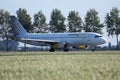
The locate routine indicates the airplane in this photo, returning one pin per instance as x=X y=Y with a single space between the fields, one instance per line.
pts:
x=56 y=40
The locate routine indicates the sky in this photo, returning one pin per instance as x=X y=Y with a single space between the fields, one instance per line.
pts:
x=65 y=6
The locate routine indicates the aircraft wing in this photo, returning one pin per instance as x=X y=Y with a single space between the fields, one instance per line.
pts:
x=39 y=40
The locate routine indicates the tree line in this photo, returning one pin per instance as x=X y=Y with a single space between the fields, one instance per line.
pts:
x=58 y=23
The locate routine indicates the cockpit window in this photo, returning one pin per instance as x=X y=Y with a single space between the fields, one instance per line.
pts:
x=97 y=36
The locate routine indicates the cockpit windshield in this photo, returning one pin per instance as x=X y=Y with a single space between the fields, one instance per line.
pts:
x=97 y=36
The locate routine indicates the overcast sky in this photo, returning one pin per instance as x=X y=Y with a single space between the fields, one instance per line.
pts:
x=46 y=6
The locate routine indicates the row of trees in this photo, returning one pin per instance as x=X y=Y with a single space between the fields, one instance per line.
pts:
x=58 y=23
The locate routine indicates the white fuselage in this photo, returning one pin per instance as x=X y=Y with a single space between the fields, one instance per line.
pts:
x=74 y=39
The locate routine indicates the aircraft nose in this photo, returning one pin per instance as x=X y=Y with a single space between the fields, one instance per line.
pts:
x=104 y=40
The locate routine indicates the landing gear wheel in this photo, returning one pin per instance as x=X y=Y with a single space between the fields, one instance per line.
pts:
x=93 y=49
x=66 y=50
x=52 y=50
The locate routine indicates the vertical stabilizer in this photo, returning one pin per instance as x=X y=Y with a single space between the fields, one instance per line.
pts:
x=17 y=27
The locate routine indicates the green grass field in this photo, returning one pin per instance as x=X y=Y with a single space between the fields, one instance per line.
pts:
x=84 y=65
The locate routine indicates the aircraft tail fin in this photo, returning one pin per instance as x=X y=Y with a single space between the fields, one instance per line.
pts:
x=17 y=26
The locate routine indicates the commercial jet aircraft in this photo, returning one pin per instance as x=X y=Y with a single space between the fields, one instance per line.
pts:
x=56 y=40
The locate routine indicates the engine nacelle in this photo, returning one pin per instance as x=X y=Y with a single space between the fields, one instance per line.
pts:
x=59 y=45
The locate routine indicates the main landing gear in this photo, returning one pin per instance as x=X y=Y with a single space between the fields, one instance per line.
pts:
x=52 y=50
x=65 y=49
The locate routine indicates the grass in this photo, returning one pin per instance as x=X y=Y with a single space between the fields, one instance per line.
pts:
x=84 y=65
